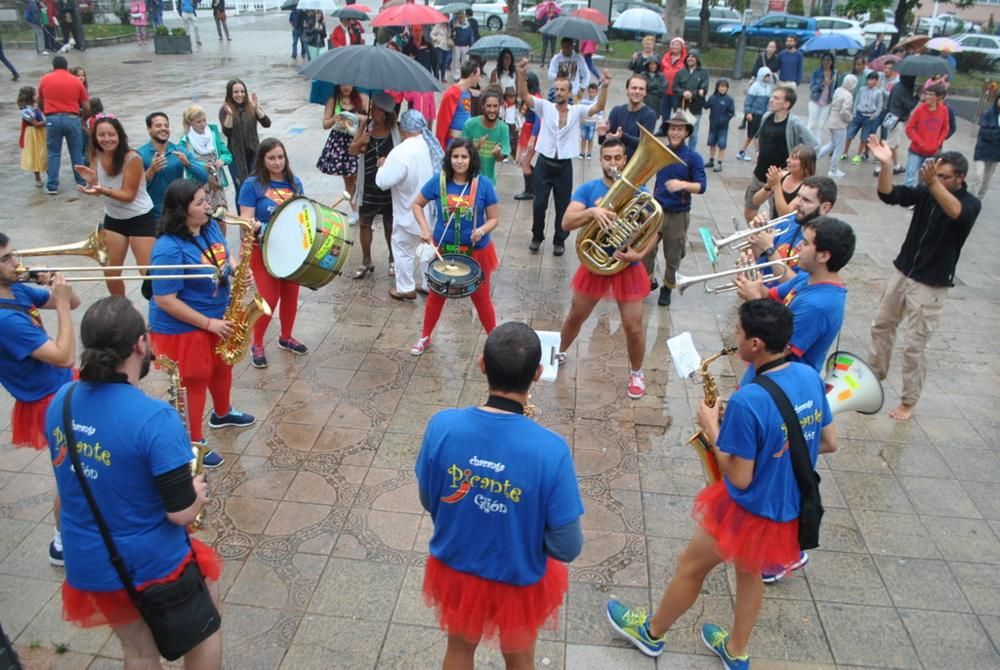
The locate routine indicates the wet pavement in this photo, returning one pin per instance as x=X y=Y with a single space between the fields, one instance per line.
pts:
x=316 y=512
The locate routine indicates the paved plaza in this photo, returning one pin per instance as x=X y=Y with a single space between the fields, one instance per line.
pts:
x=316 y=510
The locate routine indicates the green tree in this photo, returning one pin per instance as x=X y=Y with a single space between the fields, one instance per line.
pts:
x=796 y=7
x=909 y=7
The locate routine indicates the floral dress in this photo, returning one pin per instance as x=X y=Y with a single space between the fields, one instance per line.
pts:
x=335 y=159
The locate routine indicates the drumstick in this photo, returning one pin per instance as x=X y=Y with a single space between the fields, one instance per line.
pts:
x=344 y=196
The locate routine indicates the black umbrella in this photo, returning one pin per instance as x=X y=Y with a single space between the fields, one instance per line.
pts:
x=371 y=67
x=290 y=4
x=349 y=13
x=924 y=66
x=574 y=28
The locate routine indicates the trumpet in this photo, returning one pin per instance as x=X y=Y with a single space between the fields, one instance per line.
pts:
x=683 y=282
x=31 y=274
x=713 y=245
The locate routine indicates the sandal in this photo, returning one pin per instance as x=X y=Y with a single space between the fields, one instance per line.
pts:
x=363 y=271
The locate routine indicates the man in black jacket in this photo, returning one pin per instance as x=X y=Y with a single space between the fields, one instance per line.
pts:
x=943 y=215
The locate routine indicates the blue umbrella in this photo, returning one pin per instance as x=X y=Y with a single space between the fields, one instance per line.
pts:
x=831 y=42
x=491 y=46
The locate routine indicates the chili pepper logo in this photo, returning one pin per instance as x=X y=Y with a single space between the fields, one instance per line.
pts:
x=61 y=456
x=463 y=488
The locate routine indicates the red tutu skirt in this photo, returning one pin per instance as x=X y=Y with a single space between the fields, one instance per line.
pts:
x=487 y=259
x=191 y=351
x=476 y=608
x=629 y=285
x=28 y=423
x=88 y=609
x=523 y=137
x=753 y=543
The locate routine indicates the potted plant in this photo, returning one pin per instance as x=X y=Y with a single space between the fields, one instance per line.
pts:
x=175 y=41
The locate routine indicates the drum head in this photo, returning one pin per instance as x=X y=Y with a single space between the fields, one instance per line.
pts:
x=451 y=269
x=289 y=237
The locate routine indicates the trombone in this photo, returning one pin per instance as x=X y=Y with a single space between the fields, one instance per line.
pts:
x=31 y=274
x=684 y=282
x=714 y=245
x=92 y=247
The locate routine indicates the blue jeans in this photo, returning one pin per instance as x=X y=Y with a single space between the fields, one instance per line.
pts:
x=693 y=139
x=443 y=63
x=866 y=125
x=10 y=66
x=666 y=107
x=57 y=127
x=913 y=164
x=297 y=37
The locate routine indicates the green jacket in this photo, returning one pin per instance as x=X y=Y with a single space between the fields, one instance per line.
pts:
x=221 y=150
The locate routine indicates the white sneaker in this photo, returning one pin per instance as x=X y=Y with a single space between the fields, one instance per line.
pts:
x=835 y=172
x=352 y=218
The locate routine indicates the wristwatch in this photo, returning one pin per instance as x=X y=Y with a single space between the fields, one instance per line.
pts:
x=769 y=251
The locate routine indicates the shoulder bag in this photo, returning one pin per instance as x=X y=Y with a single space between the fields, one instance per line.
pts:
x=180 y=614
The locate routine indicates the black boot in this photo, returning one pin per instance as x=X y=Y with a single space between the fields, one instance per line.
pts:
x=664 y=298
x=529 y=189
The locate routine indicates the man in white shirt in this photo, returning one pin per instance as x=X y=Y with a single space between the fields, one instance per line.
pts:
x=572 y=65
x=558 y=142
x=403 y=172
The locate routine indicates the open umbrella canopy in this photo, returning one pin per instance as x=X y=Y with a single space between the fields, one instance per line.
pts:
x=589 y=14
x=915 y=42
x=879 y=63
x=831 y=42
x=640 y=20
x=542 y=7
x=454 y=7
x=289 y=4
x=924 y=66
x=321 y=5
x=943 y=44
x=371 y=67
x=351 y=12
x=407 y=15
x=491 y=46
x=881 y=28
x=574 y=28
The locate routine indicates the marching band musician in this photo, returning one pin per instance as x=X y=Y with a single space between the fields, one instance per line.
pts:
x=186 y=316
x=270 y=185
x=816 y=295
x=137 y=464
x=467 y=213
x=816 y=197
x=628 y=287
x=751 y=517
x=33 y=366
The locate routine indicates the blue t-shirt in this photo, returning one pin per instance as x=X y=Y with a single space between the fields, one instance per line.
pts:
x=27 y=379
x=817 y=312
x=265 y=198
x=463 y=112
x=202 y=295
x=495 y=483
x=753 y=429
x=590 y=193
x=786 y=245
x=125 y=440
x=486 y=196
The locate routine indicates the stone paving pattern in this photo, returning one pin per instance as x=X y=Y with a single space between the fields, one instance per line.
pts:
x=316 y=510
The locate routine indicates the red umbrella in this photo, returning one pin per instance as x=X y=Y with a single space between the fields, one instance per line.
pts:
x=408 y=15
x=879 y=63
x=543 y=7
x=361 y=8
x=591 y=15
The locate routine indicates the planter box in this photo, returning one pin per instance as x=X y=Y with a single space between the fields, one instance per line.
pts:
x=171 y=44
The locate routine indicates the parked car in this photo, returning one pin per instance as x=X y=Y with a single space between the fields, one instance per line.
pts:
x=529 y=21
x=490 y=15
x=718 y=17
x=773 y=27
x=987 y=44
x=944 y=24
x=835 y=24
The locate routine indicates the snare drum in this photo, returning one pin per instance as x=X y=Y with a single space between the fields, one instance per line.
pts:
x=306 y=243
x=457 y=276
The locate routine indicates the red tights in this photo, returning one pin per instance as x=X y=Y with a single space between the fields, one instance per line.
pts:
x=219 y=383
x=480 y=300
x=279 y=293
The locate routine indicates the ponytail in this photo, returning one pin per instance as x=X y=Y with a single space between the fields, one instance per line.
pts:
x=109 y=330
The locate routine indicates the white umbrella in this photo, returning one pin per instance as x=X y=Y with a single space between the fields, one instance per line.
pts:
x=639 y=20
x=881 y=27
x=322 y=5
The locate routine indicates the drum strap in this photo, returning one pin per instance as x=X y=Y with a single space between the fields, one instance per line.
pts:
x=457 y=231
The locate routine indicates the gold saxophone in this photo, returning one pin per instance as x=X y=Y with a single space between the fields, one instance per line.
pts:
x=231 y=349
x=177 y=396
x=699 y=440
x=638 y=215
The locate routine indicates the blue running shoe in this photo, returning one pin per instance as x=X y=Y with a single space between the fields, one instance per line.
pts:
x=715 y=638
x=772 y=577
x=212 y=459
x=631 y=625
x=55 y=555
x=234 y=418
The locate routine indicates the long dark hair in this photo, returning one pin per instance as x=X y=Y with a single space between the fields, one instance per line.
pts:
x=509 y=71
x=109 y=330
x=229 y=93
x=474 y=164
x=178 y=198
x=117 y=158
x=354 y=97
x=260 y=169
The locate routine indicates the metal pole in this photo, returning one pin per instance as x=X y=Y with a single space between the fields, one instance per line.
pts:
x=930 y=32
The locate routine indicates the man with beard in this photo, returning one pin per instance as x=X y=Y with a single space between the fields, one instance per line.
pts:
x=456 y=105
x=624 y=120
x=675 y=184
x=165 y=161
x=488 y=134
x=628 y=287
x=33 y=366
x=558 y=142
x=817 y=196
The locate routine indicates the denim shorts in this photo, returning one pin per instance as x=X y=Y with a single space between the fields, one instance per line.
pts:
x=718 y=137
x=587 y=131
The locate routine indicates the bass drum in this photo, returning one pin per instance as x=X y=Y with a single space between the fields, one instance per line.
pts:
x=306 y=243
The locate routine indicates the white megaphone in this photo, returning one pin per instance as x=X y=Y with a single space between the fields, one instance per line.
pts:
x=851 y=385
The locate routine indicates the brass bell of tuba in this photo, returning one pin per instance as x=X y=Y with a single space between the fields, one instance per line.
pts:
x=638 y=215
